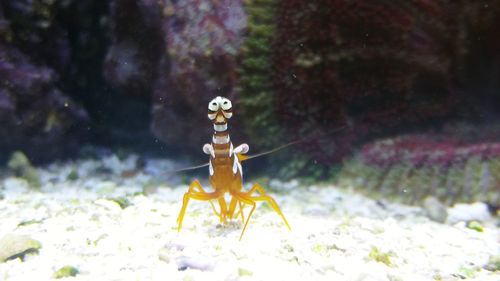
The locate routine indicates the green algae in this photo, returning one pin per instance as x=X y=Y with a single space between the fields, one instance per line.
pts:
x=244 y=272
x=468 y=272
x=493 y=264
x=256 y=92
x=377 y=255
x=29 y=222
x=66 y=271
x=73 y=175
x=475 y=225
x=21 y=166
x=123 y=202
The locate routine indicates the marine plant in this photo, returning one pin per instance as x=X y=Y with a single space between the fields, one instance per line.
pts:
x=412 y=167
x=257 y=94
x=256 y=91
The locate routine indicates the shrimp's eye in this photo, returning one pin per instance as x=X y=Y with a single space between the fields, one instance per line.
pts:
x=213 y=105
x=226 y=104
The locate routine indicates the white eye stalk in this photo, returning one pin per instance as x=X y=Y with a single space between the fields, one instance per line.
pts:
x=219 y=103
x=225 y=104
x=213 y=105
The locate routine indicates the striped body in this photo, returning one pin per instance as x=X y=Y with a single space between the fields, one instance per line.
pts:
x=224 y=167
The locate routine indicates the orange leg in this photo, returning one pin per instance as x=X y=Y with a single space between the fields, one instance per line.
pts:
x=246 y=198
x=241 y=211
x=232 y=208
x=223 y=209
x=196 y=186
x=198 y=195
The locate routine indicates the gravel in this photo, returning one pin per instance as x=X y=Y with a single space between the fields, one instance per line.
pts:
x=336 y=234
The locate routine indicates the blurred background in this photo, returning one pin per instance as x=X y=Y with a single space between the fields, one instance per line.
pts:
x=398 y=97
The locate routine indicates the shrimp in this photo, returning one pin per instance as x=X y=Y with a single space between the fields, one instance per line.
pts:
x=226 y=174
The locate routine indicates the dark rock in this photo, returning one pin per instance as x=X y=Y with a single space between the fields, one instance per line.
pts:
x=203 y=39
x=37 y=117
x=37 y=114
x=131 y=63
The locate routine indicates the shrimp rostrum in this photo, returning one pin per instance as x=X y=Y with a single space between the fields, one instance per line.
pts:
x=225 y=173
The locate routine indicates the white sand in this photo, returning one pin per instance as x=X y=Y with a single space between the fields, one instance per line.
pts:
x=333 y=233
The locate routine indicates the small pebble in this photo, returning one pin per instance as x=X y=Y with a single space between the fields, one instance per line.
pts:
x=199 y=263
x=435 y=210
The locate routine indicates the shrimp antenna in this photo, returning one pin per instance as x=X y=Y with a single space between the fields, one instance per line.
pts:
x=289 y=144
x=244 y=157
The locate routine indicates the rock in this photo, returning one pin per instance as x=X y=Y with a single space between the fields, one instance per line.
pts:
x=123 y=202
x=468 y=212
x=13 y=246
x=40 y=46
x=117 y=166
x=493 y=264
x=199 y=263
x=170 y=251
x=22 y=167
x=203 y=43
x=435 y=210
x=316 y=210
x=36 y=116
x=131 y=65
x=16 y=185
x=66 y=271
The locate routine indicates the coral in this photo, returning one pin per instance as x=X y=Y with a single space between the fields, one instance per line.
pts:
x=256 y=88
x=413 y=167
x=256 y=93
x=203 y=41
x=362 y=63
x=379 y=68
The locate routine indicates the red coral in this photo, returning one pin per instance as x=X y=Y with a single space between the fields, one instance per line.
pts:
x=382 y=66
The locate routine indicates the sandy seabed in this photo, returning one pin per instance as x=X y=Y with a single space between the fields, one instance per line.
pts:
x=336 y=234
